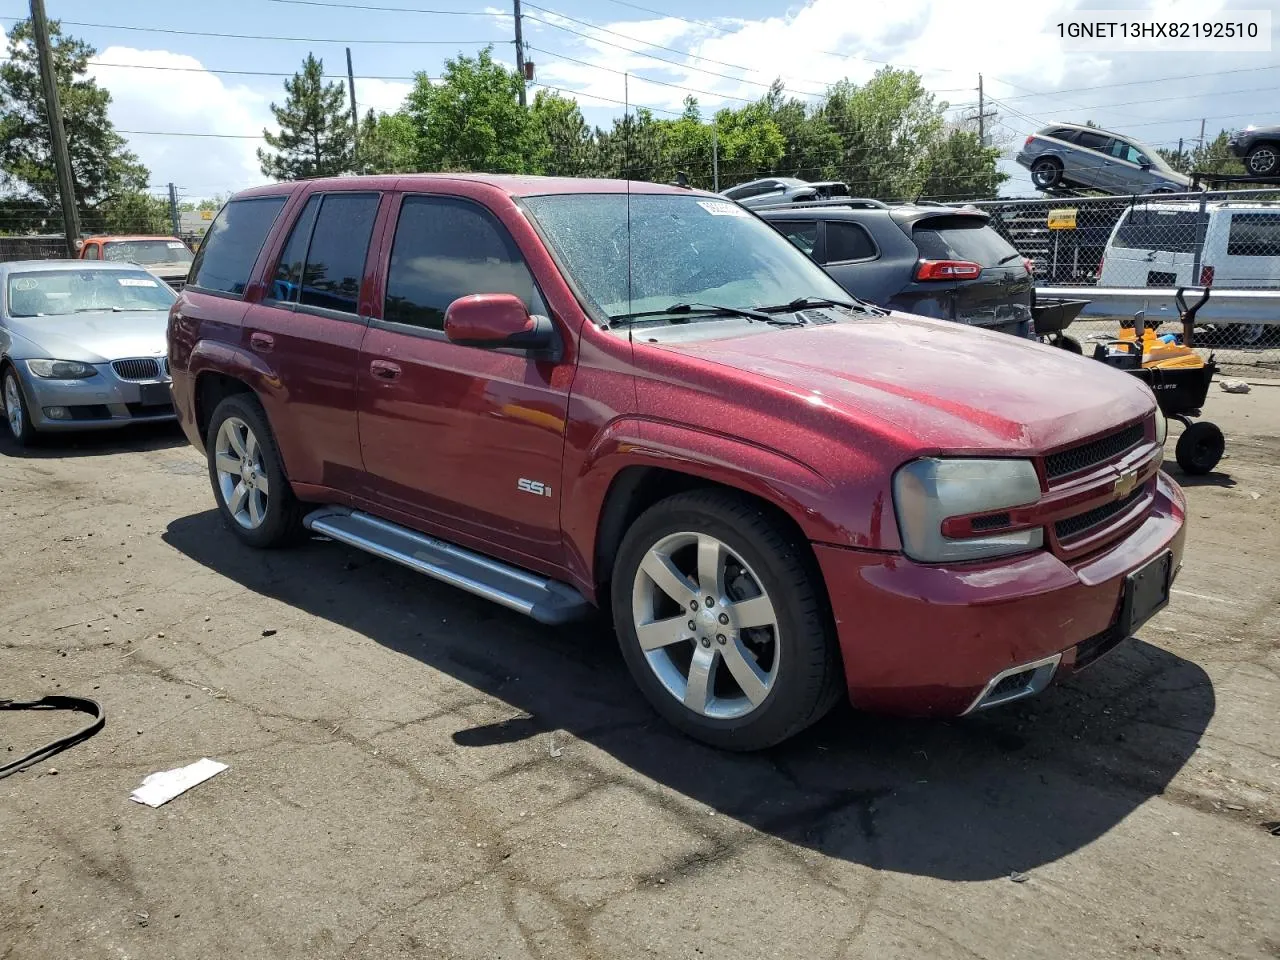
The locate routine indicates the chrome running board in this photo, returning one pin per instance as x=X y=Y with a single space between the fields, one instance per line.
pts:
x=1016 y=683
x=546 y=601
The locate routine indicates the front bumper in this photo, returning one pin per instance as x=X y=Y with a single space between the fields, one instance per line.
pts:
x=928 y=640
x=101 y=402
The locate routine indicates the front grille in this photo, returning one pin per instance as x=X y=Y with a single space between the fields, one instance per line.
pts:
x=1083 y=522
x=143 y=368
x=1093 y=453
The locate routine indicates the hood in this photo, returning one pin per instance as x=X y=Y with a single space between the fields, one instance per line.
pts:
x=174 y=270
x=938 y=386
x=95 y=337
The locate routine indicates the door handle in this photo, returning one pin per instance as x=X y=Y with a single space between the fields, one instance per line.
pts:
x=384 y=369
x=262 y=342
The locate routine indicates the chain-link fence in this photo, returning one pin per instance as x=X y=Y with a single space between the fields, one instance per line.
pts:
x=1228 y=240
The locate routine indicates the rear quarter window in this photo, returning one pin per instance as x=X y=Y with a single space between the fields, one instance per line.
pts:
x=962 y=238
x=1254 y=235
x=848 y=241
x=233 y=243
x=1169 y=231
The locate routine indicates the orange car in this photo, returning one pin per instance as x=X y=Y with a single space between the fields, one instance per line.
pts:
x=165 y=257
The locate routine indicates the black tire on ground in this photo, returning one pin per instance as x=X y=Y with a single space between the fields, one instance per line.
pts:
x=1250 y=334
x=282 y=524
x=25 y=435
x=1046 y=173
x=810 y=678
x=1264 y=160
x=1200 y=448
x=1070 y=344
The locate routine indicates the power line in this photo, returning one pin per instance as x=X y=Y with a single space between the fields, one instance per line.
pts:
x=239 y=73
x=367 y=6
x=622 y=73
x=255 y=36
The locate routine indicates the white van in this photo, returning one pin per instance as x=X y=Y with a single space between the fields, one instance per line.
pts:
x=1153 y=245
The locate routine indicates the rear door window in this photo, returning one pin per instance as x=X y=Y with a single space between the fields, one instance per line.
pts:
x=1169 y=231
x=232 y=245
x=803 y=233
x=962 y=238
x=848 y=241
x=288 y=278
x=1094 y=141
x=446 y=248
x=1254 y=235
x=336 y=256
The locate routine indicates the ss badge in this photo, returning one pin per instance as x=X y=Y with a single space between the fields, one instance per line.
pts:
x=536 y=487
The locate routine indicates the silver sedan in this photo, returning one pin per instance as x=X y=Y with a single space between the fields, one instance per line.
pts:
x=82 y=346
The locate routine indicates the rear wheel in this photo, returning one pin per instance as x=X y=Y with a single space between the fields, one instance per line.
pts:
x=1070 y=344
x=1200 y=448
x=1263 y=160
x=723 y=622
x=1046 y=173
x=1250 y=334
x=15 y=410
x=248 y=478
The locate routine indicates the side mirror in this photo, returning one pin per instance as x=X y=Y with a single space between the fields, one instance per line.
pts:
x=496 y=320
x=1145 y=165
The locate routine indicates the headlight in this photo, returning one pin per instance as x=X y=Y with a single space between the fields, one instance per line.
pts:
x=61 y=369
x=927 y=492
x=1162 y=428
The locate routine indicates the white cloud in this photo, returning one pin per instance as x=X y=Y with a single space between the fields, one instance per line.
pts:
x=383 y=96
x=177 y=101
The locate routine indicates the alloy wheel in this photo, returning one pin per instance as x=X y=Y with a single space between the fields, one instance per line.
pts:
x=13 y=404
x=1263 y=161
x=242 y=475
x=706 y=626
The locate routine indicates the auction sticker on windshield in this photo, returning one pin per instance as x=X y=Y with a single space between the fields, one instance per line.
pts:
x=175 y=245
x=135 y=282
x=722 y=208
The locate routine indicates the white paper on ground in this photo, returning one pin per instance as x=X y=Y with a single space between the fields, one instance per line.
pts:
x=159 y=788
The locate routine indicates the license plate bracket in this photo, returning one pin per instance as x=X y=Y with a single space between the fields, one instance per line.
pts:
x=1146 y=593
x=155 y=394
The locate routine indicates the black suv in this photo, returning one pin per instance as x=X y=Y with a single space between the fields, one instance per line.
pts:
x=936 y=261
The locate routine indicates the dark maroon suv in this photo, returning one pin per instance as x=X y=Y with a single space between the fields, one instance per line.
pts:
x=567 y=394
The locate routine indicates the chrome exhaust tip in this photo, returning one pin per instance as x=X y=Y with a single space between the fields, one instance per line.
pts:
x=1016 y=683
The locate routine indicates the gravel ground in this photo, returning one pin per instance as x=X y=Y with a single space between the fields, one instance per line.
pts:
x=417 y=773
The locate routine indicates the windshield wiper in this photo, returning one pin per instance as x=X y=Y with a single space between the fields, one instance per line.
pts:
x=802 y=303
x=1013 y=256
x=705 y=309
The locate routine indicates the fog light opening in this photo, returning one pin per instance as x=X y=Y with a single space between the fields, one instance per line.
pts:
x=58 y=413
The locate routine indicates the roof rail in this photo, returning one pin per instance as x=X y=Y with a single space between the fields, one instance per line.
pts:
x=863 y=203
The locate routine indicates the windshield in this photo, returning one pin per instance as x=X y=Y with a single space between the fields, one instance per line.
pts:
x=683 y=248
x=147 y=251
x=48 y=293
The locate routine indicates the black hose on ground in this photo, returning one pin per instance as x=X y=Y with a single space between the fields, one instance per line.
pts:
x=54 y=702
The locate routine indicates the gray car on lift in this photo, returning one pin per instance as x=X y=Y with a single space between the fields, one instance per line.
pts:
x=1071 y=155
x=82 y=346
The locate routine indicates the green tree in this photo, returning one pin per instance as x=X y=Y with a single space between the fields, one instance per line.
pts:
x=102 y=168
x=562 y=143
x=315 y=138
x=959 y=167
x=388 y=143
x=1212 y=156
x=136 y=213
x=471 y=119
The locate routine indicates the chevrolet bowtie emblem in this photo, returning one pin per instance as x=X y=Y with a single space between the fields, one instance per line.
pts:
x=1125 y=483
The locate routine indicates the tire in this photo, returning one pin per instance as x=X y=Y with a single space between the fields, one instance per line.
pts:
x=1249 y=334
x=1071 y=345
x=17 y=419
x=261 y=519
x=787 y=658
x=1263 y=160
x=1200 y=448
x=1046 y=173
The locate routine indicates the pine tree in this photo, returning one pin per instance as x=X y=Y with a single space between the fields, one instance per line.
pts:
x=315 y=138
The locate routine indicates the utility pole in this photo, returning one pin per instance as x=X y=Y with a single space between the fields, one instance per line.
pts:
x=173 y=209
x=519 y=49
x=1200 y=139
x=355 y=113
x=57 y=133
x=982 y=115
x=715 y=157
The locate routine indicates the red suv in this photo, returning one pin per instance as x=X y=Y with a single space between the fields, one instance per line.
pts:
x=565 y=394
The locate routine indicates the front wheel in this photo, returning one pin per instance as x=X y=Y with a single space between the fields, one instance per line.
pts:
x=1046 y=173
x=15 y=411
x=1263 y=160
x=723 y=621
x=1200 y=448
x=248 y=478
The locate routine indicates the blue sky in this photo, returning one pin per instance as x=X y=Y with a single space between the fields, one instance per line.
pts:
x=739 y=46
